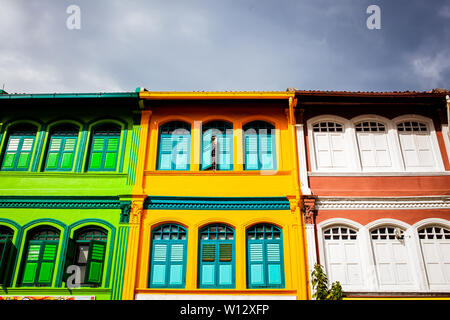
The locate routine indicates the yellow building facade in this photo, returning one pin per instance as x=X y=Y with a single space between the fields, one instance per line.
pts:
x=216 y=205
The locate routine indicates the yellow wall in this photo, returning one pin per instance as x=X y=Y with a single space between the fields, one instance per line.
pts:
x=164 y=107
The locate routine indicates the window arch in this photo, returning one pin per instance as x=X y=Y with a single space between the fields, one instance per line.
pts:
x=265 y=267
x=216 y=265
x=392 y=259
x=174 y=146
x=329 y=144
x=168 y=256
x=18 y=152
x=6 y=236
x=373 y=147
x=435 y=244
x=217 y=146
x=40 y=256
x=342 y=255
x=87 y=250
x=61 y=147
x=259 y=146
x=104 y=150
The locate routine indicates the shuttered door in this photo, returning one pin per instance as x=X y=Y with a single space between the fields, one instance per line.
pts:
x=168 y=264
x=104 y=153
x=415 y=143
x=40 y=263
x=435 y=243
x=217 y=265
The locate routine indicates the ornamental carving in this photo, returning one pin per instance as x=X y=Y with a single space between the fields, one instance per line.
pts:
x=136 y=212
x=309 y=209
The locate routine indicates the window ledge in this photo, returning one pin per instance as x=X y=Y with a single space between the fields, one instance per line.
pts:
x=378 y=174
x=207 y=291
x=217 y=173
x=63 y=174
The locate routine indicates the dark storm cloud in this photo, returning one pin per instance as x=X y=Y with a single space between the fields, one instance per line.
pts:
x=223 y=45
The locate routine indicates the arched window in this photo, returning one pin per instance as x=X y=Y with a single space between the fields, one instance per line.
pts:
x=174 y=146
x=216 y=265
x=40 y=256
x=373 y=145
x=18 y=151
x=259 y=146
x=342 y=256
x=265 y=267
x=217 y=146
x=87 y=251
x=104 y=150
x=6 y=236
x=415 y=143
x=391 y=257
x=168 y=257
x=329 y=144
x=435 y=243
x=61 y=147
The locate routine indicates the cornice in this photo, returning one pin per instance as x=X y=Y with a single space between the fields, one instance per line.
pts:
x=193 y=203
x=329 y=203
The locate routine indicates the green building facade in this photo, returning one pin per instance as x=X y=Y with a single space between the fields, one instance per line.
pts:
x=67 y=168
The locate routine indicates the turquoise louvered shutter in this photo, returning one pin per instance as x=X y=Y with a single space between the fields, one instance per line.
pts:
x=225 y=264
x=159 y=265
x=181 y=150
x=256 y=264
x=5 y=250
x=251 y=152
x=165 y=152
x=208 y=264
x=267 y=151
x=176 y=265
x=225 y=143
x=207 y=150
x=274 y=264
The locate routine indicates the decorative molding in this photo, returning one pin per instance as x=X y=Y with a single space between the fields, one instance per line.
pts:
x=136 y=210
x=328 y=203
x=309 y=209
x=60 y=202
x=191 y=203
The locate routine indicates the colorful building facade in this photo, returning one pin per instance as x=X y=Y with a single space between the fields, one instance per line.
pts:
x=376 y=183
x=215 y=212
x=67 y=171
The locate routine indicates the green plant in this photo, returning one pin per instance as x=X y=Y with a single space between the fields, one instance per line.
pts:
x=320 y=285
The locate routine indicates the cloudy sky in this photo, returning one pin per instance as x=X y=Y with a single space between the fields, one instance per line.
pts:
x=223 y=45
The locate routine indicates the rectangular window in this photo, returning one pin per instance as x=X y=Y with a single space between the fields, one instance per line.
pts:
x=104 y=153
x=168 y=264
x=61 y=153
x=174 y=152
x=217 y=265
x=265 y=264
x=18 y=153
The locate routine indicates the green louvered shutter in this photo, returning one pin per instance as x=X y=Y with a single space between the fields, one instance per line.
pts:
x=47 y=264
x=256 y=264
x=32 y=262
x=18 y=153
x=112 y=152
x=96 y=258
x=225 y=142
x=159 y=265
x=53 y=153
x=267 y=152
x=165 y=152
x=68 y=153
x=206 y=150
x=5 y=250
x=61 y=153
x=251 y=152
x=181 y=149
x=97 y=153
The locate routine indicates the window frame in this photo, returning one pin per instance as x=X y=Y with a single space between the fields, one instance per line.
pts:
x=187 y=136
x=269 y=127
x=104 y=151
x=227 y=135
x=61 y=152
x=10 y=133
